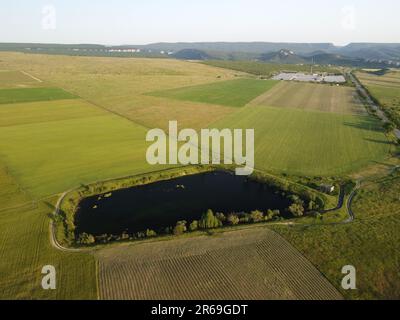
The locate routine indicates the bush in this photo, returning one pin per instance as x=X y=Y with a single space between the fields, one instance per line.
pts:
x=271 y=215
x=86 y=239
x=151 y=233
x=233 y=219
x=256 y=216
x=296 y=210
x=221 y=217
x=180 y=228
x=194 y=226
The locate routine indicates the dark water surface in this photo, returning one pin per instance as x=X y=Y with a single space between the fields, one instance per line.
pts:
x=161 y=204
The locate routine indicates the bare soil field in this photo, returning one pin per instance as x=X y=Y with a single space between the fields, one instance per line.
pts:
x=314 y=97
x=246 y=264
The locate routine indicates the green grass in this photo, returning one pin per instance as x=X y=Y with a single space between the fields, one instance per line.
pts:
x=371 y=243
x=24 y=250
x=53 y=156
x=233 y=93
x=33 y=94
x=301 y=142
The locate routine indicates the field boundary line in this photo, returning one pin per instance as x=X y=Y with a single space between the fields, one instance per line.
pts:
x=31 y=76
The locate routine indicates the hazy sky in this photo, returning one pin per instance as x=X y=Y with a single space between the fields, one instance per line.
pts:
x=145 y=21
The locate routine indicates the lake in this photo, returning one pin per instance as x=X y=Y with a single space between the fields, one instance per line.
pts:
x=161 y=204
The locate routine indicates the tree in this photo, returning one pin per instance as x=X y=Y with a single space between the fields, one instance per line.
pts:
x=86 y=239
x=389 y=127
x=296 y=210
x=150 y=233
x=221 y=217
x=194 y=226
x=233 y=219
x=209 y=221
x=180 y=228
x=256 y=216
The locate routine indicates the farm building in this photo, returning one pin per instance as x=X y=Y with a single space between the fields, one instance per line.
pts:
x=327 y=188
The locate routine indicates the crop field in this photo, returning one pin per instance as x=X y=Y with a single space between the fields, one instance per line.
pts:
x=25 y=248
x=310 y=143
x=15 y=79
x=255 y=264
x=314 y=97
x=386 y=88
x=33 y=94
x=11 y=193
x=371 y=243
x=98 y=145
x=234 y=93
x=122 y=85
x=91 y=125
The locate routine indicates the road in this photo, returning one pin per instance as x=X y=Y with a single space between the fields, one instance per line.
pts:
x=371 y=102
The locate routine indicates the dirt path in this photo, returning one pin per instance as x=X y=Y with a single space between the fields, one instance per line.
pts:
x=31 y=76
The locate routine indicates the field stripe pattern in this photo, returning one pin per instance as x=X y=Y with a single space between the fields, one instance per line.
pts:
x=256 y=264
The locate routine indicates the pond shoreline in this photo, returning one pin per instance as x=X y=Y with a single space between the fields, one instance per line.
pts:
x=65 y=229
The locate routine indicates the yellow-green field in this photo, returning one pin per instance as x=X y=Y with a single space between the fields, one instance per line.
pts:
x=253 y=264
x=233 y=93
x=371 y=243
x=76 y=144
x=385 y=89
x=48 y=147
x=301 y=142
x=121 y=85
x=16 y=79
x=313 y=97
x=25 y=248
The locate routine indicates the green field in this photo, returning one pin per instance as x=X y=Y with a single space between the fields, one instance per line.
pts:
x=314 y=97
x=371 y=243
x=52 y=156
x=300 y=142
x=25 y=248
x=33 y=94
x=386 y=90
x=51 y=143
x=234 y=93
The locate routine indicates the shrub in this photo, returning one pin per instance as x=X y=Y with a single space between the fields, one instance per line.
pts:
x=180 y=228
x=256 y=216
x=151 y=233
x=296 y=210
x=221 y=217
x=194 y=226
x=86 y=239
x=233 y=219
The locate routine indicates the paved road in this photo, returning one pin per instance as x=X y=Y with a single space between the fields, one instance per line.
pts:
x=371 y=102
x=342 y=195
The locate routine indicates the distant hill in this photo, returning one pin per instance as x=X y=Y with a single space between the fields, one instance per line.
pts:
x=283 y=56
x=355 y=54
x=247 y=47
x=192 y=54
x=373 y=51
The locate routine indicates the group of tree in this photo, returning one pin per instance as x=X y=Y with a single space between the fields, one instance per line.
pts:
x=208 y=221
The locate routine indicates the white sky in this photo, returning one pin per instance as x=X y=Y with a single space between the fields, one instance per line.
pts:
x=146 y=21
